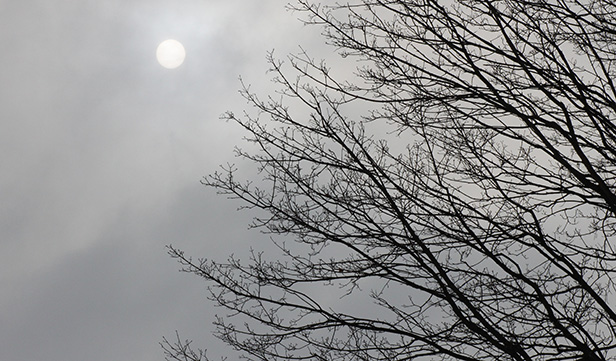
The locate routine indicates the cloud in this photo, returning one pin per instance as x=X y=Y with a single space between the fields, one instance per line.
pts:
x=101 y=152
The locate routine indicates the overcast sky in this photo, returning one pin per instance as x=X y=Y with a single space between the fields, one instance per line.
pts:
x=101 y=153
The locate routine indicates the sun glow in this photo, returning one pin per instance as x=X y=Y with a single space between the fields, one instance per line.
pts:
x=170 y=54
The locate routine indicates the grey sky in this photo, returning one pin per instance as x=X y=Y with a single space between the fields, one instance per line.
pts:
x=101 y=153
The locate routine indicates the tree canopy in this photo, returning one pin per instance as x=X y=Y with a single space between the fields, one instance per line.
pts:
x=463 y=183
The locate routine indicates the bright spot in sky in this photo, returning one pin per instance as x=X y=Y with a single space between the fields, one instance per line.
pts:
x=170 y=54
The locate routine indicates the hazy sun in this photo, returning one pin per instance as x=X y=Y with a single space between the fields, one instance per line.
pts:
x=170 y=54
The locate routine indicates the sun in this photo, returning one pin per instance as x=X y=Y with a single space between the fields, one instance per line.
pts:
x=170 y=54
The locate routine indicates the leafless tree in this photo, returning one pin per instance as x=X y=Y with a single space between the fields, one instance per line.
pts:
x=463 y=182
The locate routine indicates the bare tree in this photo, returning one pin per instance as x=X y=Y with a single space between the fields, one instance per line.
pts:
x=463 y=182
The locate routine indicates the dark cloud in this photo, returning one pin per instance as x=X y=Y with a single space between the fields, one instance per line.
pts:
x=116 y=298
